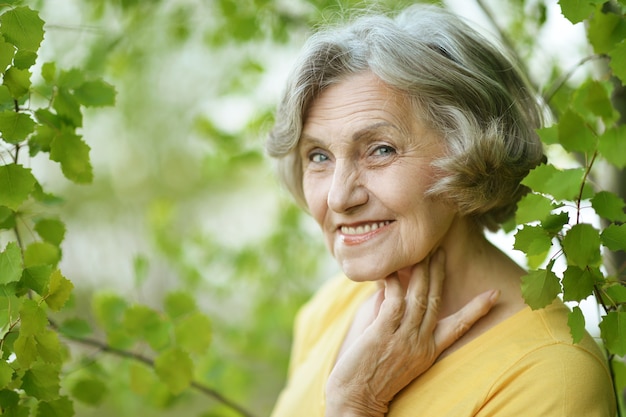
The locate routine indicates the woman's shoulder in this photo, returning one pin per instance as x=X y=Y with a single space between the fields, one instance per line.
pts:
x=575 y=374
x=525 y=365
x=530 y=332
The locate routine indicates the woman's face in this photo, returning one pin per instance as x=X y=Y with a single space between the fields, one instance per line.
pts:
x=366 y=166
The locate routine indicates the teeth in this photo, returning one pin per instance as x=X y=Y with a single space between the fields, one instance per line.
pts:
x=362 y=229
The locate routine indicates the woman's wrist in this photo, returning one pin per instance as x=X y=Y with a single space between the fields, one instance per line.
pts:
x=340 y=403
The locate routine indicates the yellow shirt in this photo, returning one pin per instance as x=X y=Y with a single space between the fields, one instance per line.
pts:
x=524 y=366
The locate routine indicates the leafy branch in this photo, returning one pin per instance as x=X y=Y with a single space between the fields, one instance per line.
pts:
x=563 y=78
x=202 y=388
x=32 y=354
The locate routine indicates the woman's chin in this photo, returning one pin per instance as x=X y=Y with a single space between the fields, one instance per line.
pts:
x=365 y=275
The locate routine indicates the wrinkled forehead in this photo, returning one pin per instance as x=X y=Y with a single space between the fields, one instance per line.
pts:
x=357 y=102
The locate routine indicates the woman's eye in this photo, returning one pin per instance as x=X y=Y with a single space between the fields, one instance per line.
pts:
x=317 y=157
x=384 y=150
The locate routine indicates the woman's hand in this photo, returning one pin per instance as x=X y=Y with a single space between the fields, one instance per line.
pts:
x=402 y=342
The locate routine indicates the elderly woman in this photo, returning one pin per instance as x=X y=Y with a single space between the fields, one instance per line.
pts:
x=405 y=138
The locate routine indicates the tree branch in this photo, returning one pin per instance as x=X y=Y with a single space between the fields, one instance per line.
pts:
x=558 y=83
x=506 y=40
x=208 y=391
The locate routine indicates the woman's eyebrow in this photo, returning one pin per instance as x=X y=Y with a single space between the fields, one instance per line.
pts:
x=368 y=130
x=305 y=138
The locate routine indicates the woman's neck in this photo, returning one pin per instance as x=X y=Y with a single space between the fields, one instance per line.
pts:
x=473 y=266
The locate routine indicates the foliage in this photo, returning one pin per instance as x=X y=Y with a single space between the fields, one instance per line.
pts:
x=216 y=316
x=559 y=217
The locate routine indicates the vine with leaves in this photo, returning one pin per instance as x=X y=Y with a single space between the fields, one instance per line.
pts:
x=568 y=217
x=46 y=119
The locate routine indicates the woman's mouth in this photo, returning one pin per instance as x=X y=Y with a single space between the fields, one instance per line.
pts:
x=363 y=228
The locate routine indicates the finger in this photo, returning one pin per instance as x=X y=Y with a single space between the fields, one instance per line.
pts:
x=436 y=275
x=451 y=328
x=417 y=295
x=393 y=306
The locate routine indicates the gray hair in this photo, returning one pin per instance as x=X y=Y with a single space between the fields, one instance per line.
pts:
x=461 y=85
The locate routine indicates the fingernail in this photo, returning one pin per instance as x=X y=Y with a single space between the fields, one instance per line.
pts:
x=493 y=297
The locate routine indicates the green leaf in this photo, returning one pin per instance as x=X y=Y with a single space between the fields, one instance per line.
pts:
x=6 y=54
x=576 y=10
x=24 y=59
x=533 y=207
x=51 y=230
x=609 y=205
x=179 y=304
x=574 y=135
x=36 y=278
x=41 y=253
x=46 y=198
x=549 y=135
x=618 y=61
x=7 y=218
x=68 y=107
x=561 y=184
x=59 y=291
x=61 y=407
x=142 y=378
x=616 y=294
x=49 y=72
x=15 y=127
x=16 y=183
x=109 y=310
x=71 y=79
x=605 y=30
x=581 y=245
x=95 y=93
x=17 y=81
x=33 y=319
x=533 y=240
x=10 y=305
x=75 y=328
x=612 y=146
x=89 y=390
x=554 y=223
x=594 y=96
x=42 y=382
x=48 y=347
x=9 y=399
x=540 y=288
x=175 y=369
x=23 y=28
x=26 y=350
x=73 y=154
x=6 y=374
x=613 y=329
x=193 y=333
x=614 y=237
x=10 y=263
x=49 y=119
x=576 y=323
x=41 y=140
x=577 y=283
x=6 y=99
x=145 y=323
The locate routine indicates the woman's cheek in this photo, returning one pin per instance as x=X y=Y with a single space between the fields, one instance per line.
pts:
x=316 y=197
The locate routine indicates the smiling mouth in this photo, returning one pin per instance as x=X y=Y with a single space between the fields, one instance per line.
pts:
x=363 y=228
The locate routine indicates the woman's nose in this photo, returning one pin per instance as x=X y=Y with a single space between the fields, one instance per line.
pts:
x=346 y=190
